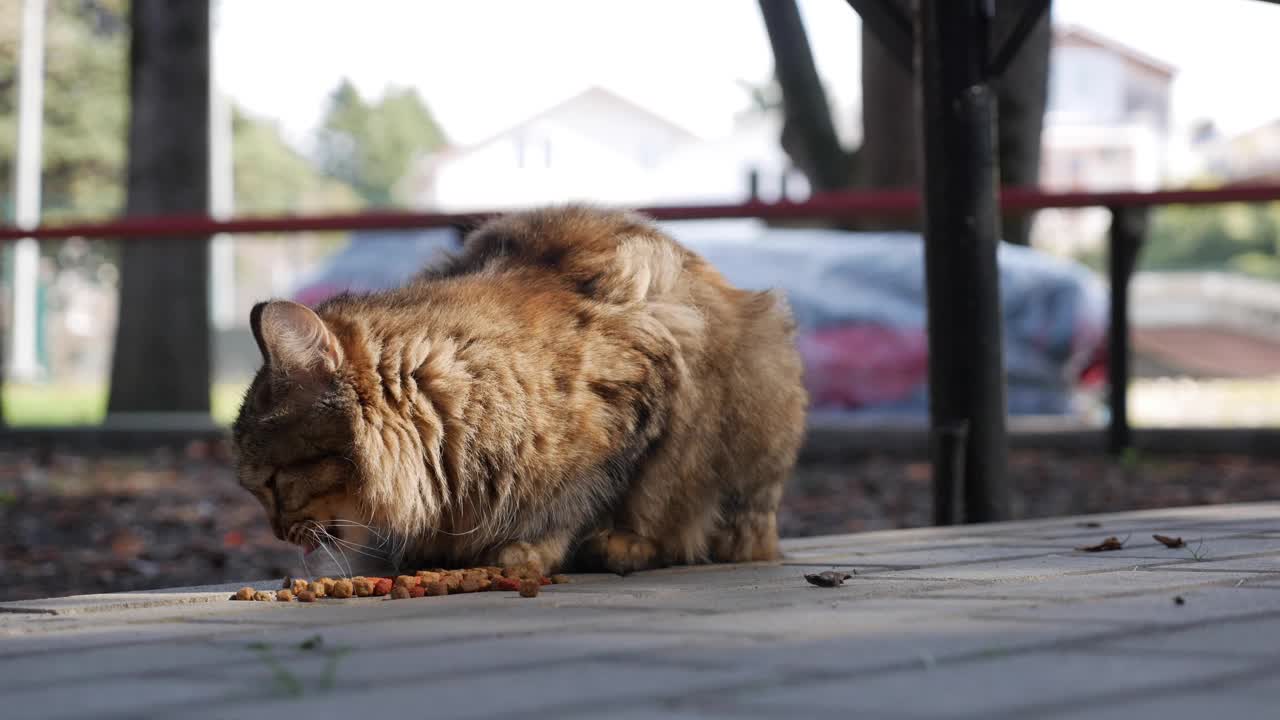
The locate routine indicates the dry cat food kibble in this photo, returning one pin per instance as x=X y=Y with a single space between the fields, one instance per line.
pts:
x=529 y=588
x=342 y=589
x=524 y=579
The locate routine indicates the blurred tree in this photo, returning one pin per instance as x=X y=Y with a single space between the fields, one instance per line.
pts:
x=1236 y=237
x=85 y=105
x=889 y=156
x=272 y=177
x=370 y=146
x=161 y=361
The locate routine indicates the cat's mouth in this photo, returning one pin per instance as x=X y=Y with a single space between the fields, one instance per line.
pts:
x=309 y=534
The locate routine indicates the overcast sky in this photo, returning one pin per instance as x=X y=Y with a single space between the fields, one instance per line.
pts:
x=482 y=65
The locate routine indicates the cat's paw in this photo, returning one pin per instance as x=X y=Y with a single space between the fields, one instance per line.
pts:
x=546 y=556
x=621 y=552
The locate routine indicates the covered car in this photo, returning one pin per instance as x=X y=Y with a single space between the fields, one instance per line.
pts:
x=859 y=303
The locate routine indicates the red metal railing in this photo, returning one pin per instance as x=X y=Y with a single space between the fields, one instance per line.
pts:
x=1127 y=209
x=820 y=206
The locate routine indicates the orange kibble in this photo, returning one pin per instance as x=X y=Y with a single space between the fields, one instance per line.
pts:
x=417 y=591
x=437 y=588
x=381 y=586
x=406 y=581
x=300 y=585
x=362 y=586
x=317 y=588
x=529 y=588
x=399 y=592
x=306 y=596
x=342 y=589
x=284 y=595
x=244 y=593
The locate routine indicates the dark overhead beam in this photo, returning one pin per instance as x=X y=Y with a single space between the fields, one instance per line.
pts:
x=1031 y=15
x=891 y=25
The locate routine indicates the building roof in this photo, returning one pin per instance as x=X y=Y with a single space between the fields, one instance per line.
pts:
x=1080 y=36
x=594 y=92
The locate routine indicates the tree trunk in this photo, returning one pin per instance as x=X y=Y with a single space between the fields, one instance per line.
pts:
x=1022 y=94
x=161 y=361
x=808 y=133
x=889 y=157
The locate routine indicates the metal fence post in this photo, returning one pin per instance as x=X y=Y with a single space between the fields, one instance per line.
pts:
x=1128 y=226
x=966 y=352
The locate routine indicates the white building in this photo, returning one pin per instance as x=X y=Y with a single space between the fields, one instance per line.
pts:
x=595 y=146
x=1107 y=127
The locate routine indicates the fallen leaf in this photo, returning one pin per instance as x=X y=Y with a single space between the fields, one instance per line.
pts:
x=829 y=578
x=1111 y=543
x=1169 y=542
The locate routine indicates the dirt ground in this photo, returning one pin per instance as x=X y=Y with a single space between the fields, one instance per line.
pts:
x=72 y=524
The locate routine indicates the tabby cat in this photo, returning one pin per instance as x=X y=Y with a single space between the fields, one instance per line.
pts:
x=573 y=389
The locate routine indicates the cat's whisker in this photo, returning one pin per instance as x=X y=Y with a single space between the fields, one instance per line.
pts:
x=357 y=548
x=320 y=540
x=353 y=523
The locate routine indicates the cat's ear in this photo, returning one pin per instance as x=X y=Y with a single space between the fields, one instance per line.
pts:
x=293 y=338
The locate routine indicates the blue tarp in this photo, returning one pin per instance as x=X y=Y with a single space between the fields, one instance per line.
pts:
x=859 y=302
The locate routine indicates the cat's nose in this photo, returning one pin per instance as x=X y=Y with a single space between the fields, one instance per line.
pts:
x=277 y=526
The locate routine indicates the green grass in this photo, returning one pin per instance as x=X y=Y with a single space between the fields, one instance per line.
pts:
x=62 y=405
x=1153 y=403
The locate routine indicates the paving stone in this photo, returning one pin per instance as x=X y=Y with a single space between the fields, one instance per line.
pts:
x=1257 y=564
x=1155 y=608
x=964 y=621
x=1259 y=637
x=536 y=691
x=1254 y=699
x=406 y=662
x=92 y=664
x=1115 y=583
x=917 y=557
x=1042 y=566
x=106 y=602
x=904 y=643
x=135 y=697
x=987 y=687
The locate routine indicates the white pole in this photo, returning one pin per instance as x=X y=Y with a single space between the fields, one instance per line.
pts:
x=23 y=362
x=222 y=280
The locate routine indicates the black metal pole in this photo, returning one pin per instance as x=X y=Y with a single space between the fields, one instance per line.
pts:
x=1128 y=225
x=966 y=359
